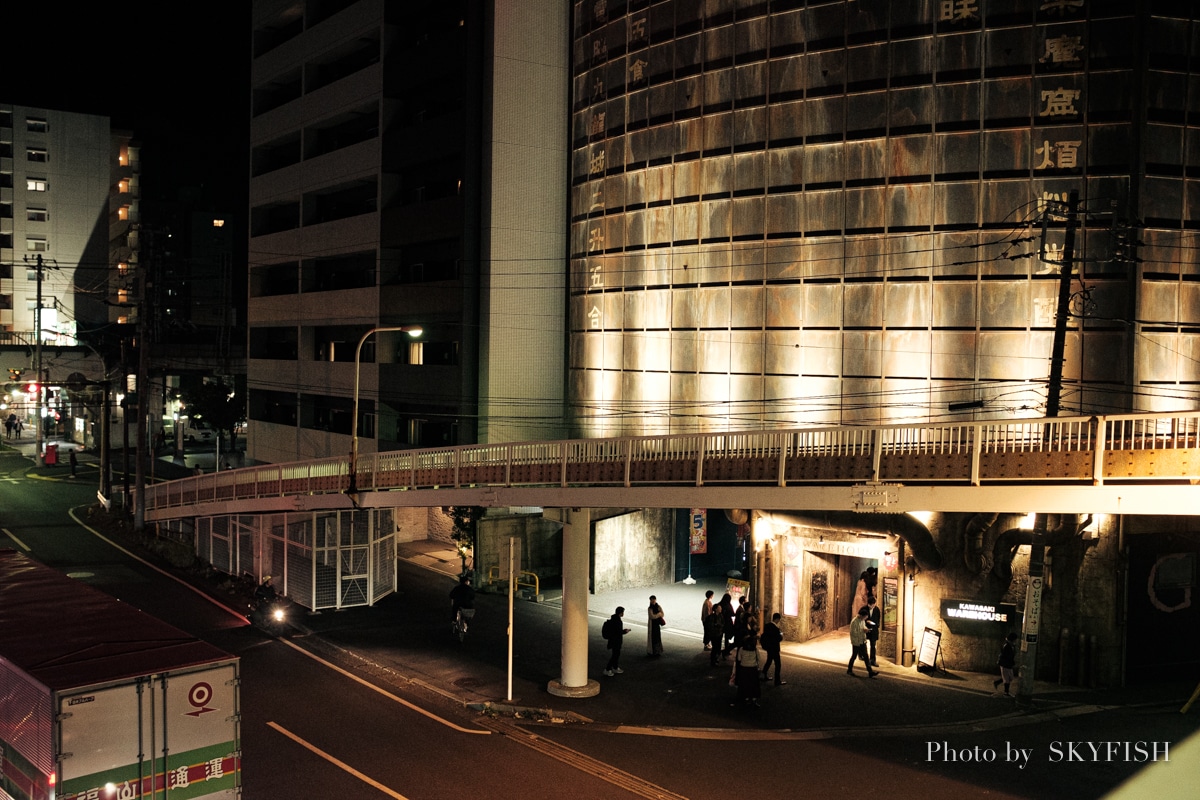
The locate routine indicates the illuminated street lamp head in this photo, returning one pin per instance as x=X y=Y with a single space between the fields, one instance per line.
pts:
x=413 y=330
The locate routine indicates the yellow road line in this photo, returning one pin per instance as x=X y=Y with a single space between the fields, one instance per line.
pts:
x=341 y=764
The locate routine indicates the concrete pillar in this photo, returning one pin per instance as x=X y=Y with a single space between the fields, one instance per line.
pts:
x=577 y=534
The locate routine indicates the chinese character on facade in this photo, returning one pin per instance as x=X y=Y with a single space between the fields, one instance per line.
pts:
x=637 y=71
x=595 y=239
x=597 y=127
x=1064 y=49
x=637 y=28
x=1060 y=7
x=1053 y=204
x=178 y=778
x=1063 y=155
x=1045 y=309
x=594 y=318
x=597 y=279
x=1059 y=102
x=1052 y=256
x=958 y=10
x=598 y=87
x=214 y=769
x=599 y=51
x=596 y=164
x=597 y=197
x=600 y=8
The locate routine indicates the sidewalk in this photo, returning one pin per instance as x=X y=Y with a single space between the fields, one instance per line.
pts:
x=680 y=694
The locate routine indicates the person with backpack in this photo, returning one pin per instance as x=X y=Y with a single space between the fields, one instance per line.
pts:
x=614 y=634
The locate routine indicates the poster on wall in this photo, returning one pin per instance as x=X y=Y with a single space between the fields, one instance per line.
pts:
x=791 y=591
x=890 y=604
x=737 y=589
x=698 y=540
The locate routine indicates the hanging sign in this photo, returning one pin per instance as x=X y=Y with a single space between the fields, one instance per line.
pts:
x=698 y=540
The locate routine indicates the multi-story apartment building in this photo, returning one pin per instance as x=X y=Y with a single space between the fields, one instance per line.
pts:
x=408 y=169
x=54 y=205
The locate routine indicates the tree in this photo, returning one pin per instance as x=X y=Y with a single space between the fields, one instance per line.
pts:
x=216 y=402
x=466 y=527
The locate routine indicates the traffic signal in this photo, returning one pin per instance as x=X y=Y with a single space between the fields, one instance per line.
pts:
x=31 y=387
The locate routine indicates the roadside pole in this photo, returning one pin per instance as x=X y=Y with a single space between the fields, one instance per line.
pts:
x=1037 y=546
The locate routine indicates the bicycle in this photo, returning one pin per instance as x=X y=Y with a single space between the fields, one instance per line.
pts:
x=461 y=619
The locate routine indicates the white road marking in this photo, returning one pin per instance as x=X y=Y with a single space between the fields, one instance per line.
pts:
x=384 y=692
x=9 y=534
x=340 y=764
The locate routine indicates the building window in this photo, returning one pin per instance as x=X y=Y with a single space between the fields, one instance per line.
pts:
x=37 y=215
x=38 y=154
x=123 y=212
x=36 y=244
x=35 y=125
x=37 y=184
x=416 y=353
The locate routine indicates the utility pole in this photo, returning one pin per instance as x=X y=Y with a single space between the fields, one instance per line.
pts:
x=39 y=420
x=1037 y=544
x=143 y=399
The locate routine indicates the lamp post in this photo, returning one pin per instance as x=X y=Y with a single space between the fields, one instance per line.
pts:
x=413 y=331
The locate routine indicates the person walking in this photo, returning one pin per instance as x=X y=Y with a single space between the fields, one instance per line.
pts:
x=1007 y=663
x=771 y=639
x=614 y=633
x=655 y=620
x=705 y=613
x=858 y=641
x=74 y=461
x=745 y=671
x=874 y=618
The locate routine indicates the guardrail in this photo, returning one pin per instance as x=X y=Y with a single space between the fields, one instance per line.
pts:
x=1092 y=450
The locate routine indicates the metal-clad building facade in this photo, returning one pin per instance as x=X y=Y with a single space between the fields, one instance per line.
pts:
x=842 y=212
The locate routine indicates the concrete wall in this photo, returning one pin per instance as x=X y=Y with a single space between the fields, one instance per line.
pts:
x=539 y=544
x=634 y=549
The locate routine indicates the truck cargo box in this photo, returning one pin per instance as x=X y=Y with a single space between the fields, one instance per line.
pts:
x=100 y=700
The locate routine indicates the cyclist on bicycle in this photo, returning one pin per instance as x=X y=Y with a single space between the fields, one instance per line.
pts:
x=462 y=598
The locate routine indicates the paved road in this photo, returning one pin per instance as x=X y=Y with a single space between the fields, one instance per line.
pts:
x=667 y=727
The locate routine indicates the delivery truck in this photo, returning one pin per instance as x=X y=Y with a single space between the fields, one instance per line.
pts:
x=100 y=701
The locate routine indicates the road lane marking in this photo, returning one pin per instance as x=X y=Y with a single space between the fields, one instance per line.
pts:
x=9 y=534
x=240 y=617
x=383 y=692
x=340 y=764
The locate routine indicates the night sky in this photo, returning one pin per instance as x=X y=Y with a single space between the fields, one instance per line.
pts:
x=177 y=75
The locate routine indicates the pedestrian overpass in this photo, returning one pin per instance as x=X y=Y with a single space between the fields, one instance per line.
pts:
x=325 y=533
x=1123 y=464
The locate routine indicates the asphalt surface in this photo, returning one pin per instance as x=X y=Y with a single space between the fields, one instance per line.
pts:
x=676 y=694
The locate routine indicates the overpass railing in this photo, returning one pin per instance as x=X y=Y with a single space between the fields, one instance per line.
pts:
x=1092 y=450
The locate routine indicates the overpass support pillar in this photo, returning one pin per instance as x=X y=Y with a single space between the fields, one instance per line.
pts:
x=577 y=537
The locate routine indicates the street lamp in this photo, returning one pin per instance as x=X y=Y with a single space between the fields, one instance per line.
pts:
x=413 y=331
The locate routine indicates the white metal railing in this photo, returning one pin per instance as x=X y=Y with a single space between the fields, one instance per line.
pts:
x=697 y=458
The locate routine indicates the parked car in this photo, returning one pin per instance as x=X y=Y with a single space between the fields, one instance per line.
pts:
x=196 y=431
